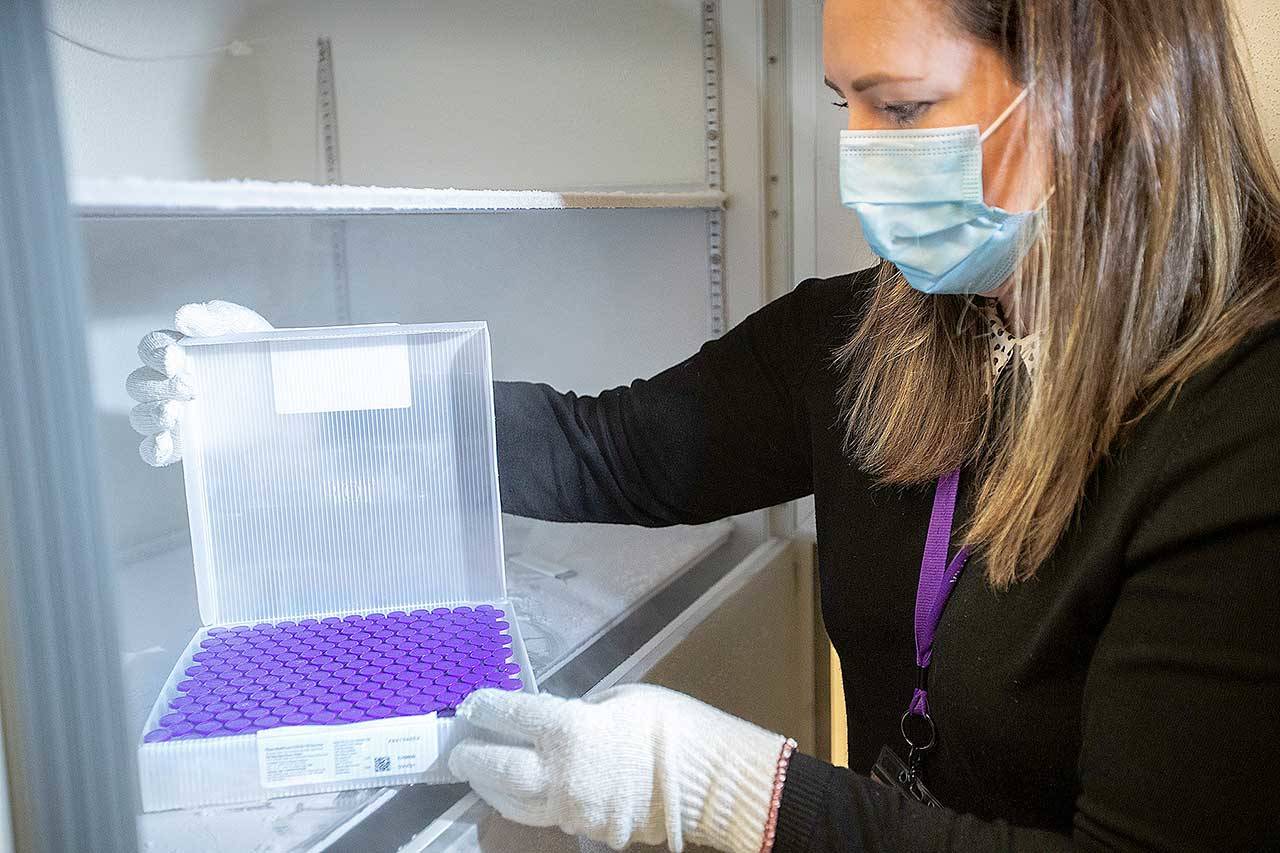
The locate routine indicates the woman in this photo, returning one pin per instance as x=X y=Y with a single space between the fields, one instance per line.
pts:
x=1096 y=372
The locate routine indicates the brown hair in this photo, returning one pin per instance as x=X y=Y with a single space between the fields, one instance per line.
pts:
x=1158 y=252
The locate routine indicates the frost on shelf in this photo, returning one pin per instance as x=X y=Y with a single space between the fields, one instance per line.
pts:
x=145 y=196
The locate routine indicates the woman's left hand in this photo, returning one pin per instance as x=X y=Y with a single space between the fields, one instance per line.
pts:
x=634 y=764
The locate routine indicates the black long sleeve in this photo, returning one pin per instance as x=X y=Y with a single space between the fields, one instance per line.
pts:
x=721 y=433
x=1126 y=698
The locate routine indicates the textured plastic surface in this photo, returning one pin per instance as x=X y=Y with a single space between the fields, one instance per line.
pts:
x=298 y=512
x=338 y=670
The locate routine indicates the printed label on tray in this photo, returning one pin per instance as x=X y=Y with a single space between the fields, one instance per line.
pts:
x=340 y=376
x=311 y=755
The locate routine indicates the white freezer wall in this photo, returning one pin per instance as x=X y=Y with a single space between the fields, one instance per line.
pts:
x=616 y=301
x=563 y=94
x=505 y=93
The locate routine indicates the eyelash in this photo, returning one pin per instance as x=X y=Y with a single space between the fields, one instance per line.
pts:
x=900 y=113
x=905 y=113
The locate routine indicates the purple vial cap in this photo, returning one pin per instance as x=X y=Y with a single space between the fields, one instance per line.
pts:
x=199 y=717
x=181 y=701
x=323 y=717
x=351 y=715
x=294 y=719
x=227 y=716
x=207 y=727
x=181 y=729
x=157 y=735
x=170 y=719
x=237 y=725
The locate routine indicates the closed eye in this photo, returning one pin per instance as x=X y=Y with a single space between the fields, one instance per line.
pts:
x=905 y=112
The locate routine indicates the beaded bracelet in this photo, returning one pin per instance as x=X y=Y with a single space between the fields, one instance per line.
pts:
x=779 y=779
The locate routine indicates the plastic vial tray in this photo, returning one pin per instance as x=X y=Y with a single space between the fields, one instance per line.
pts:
x=335 y=671
x=343 y=499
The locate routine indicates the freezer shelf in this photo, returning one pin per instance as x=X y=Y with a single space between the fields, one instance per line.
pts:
x=109 y=198
x=617 y=573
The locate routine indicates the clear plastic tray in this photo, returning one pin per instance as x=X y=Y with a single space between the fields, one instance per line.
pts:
x=331 y=473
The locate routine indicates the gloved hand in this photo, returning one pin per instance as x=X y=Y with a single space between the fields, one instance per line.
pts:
x=636 y=763
x=160 y=386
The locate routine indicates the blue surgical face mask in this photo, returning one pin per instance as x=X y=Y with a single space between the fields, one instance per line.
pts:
x=918 y=194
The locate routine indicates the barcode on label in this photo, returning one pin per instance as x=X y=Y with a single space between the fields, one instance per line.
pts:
x=303 y=755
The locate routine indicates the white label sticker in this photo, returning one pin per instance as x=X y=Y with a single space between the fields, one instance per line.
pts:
x=341 y=375
x=305 y=755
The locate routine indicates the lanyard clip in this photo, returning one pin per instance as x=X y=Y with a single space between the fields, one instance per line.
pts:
x=916 y=725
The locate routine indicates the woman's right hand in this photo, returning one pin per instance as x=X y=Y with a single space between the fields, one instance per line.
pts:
x=161 y=386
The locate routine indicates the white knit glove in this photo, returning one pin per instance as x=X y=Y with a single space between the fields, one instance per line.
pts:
x=634 y=764
x=161 y=387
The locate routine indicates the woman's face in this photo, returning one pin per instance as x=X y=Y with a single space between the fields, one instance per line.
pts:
x=906 y=64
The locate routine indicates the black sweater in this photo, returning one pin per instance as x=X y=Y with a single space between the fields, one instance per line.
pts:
x=1127 y=697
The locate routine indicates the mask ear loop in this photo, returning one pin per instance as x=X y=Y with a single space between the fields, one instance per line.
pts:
x=1002 y=118
x=1008 y=111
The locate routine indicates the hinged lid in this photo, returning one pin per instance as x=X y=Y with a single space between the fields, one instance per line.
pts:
x=342 y=469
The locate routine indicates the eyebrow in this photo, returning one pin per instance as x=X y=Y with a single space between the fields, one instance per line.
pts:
x=869 y=81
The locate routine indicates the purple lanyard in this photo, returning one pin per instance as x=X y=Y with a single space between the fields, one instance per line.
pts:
x=937 y=579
